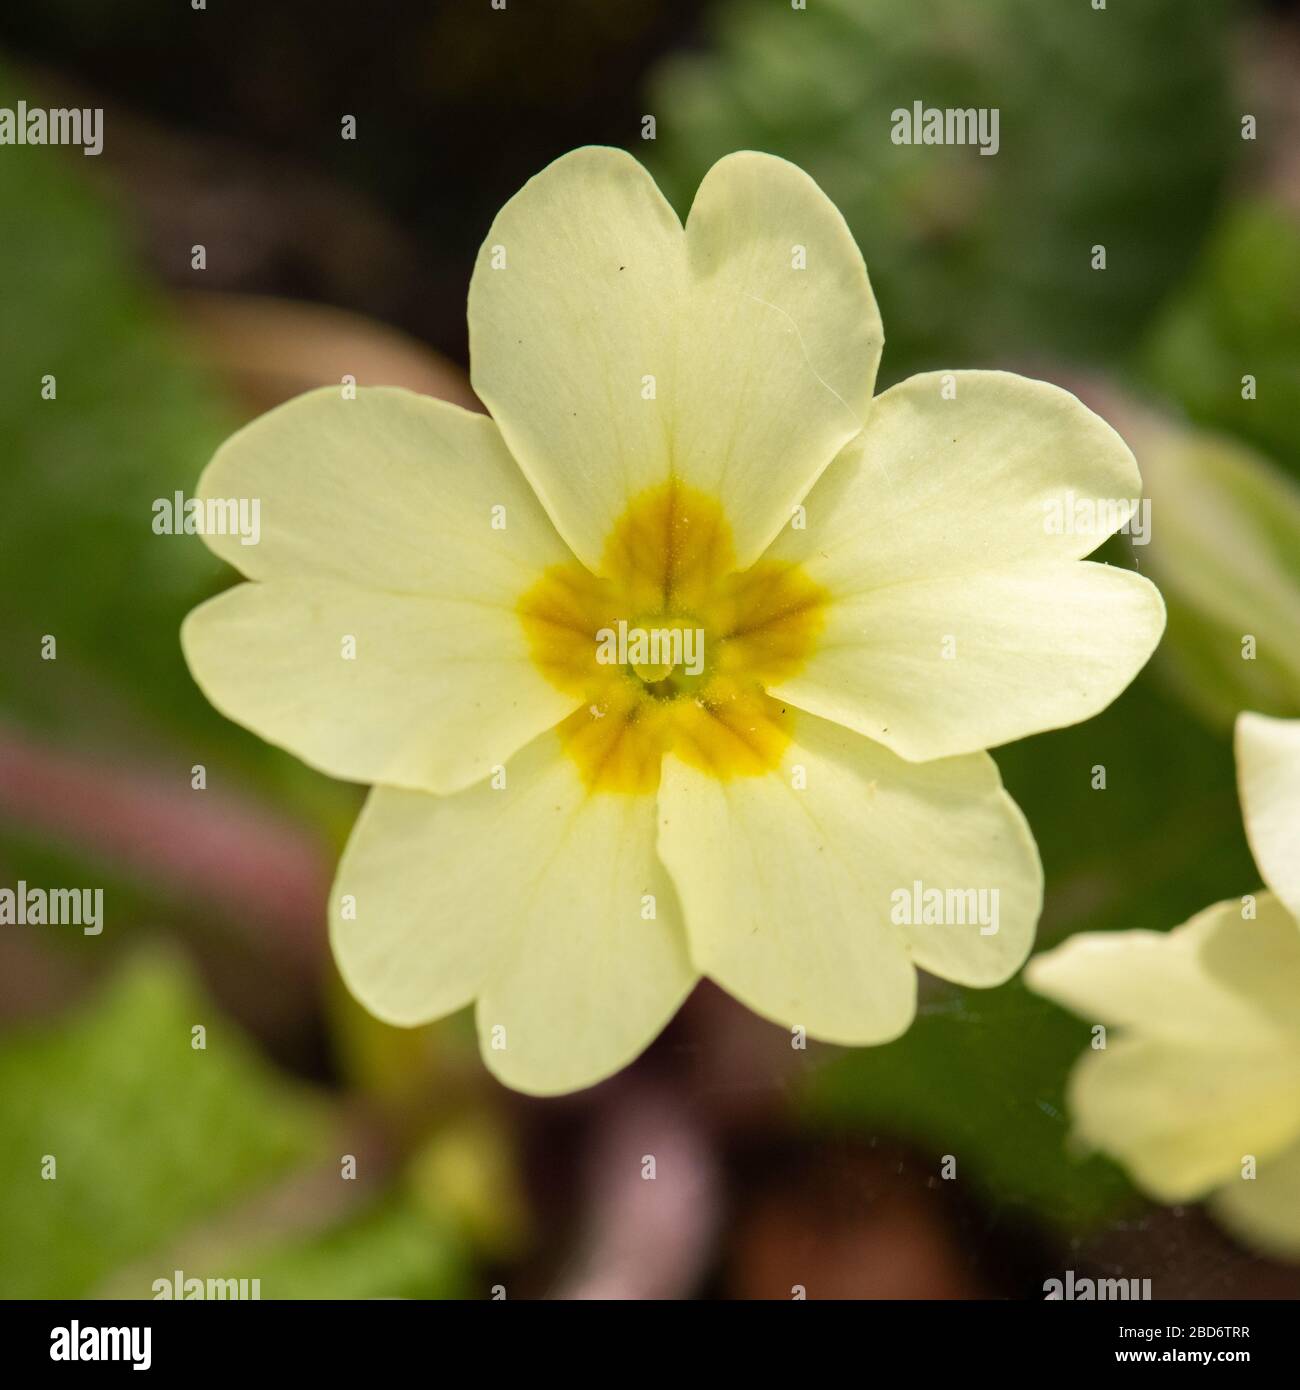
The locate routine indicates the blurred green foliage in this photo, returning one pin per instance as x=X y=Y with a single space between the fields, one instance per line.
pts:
x=155 y=1139
x=1238 y=315
x=134 y=418
x=149 y=1134
x=1225 y=352
x=980 y=1076
x=131 y=421
x=1115 y=130
x=392 y=1250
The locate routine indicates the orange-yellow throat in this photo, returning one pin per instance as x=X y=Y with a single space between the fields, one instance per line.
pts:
x=669 y=647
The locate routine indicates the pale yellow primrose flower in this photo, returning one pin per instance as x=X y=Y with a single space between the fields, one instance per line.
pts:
x=1205 y=1074
x=573 y=844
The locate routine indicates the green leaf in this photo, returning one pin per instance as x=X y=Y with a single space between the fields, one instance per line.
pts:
x=149 y=1135
x=391 y=1250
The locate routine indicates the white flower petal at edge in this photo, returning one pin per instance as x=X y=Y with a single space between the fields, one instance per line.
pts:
x=1183 y=1122
x=528 y=898
x=1268 y=776
x=587 y=284
x=376 y=524
x=1206 y=1067
x=959 y=617
x=788 y=893
x=1266 y=1212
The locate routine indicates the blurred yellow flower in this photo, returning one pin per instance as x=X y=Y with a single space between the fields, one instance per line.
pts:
x=682 y=662
x=1200 y=1093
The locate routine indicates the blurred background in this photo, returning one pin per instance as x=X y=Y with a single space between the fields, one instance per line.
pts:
x=1120 y=127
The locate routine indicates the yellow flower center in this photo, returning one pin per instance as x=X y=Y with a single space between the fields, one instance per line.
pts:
x=671 y=648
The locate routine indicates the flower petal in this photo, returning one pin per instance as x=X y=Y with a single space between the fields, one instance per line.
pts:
x=530 y=897
x=1181 y=1119
x=1225 y=558
x=795 y=884
x=390 y=491
x=1005 y=471
x=1265 y=1210
x=587 y=287
x=1258 y=960
x=960 y=471
x=945 y=537
x=439 y=692
x=937 y=667
x=1268 y=774
x=404 y=523
x=1209 y=1069
x=1219 y=981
